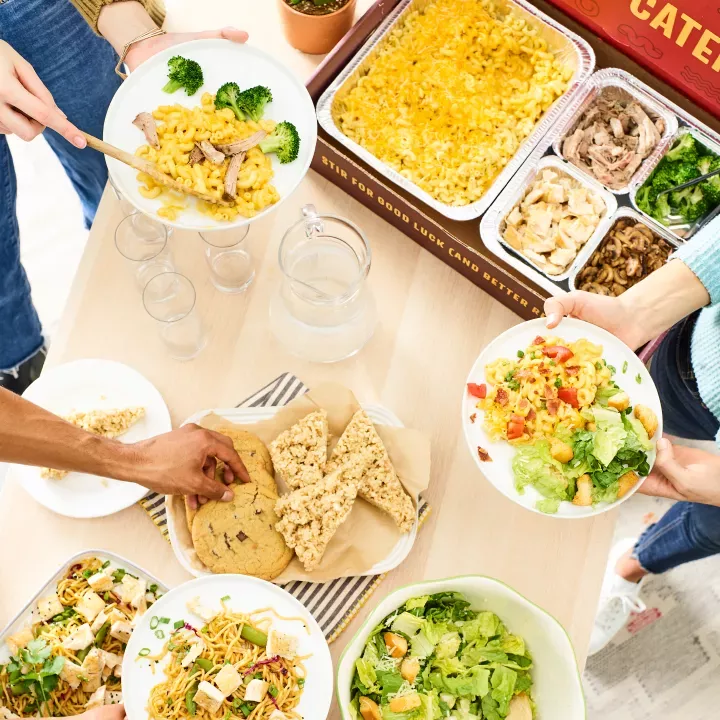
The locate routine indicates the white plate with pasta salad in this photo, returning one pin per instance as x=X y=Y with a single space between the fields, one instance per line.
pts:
x=227 y=647
x=563 y=421
x=259 y=94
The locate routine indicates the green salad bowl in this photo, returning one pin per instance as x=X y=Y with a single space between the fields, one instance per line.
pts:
x=557 y=688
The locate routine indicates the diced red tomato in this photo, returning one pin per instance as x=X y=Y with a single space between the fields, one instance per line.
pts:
x=552 y=406
x=501 y=396
x=478 y=391
x=569 y=395
x=558 y=353
x=516 y=427
x=539 y=340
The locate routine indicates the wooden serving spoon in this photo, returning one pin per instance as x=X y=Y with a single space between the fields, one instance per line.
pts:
x=151 y=169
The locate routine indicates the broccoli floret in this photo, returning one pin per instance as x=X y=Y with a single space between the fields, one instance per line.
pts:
x=696 y=205
x=642 y=198
x=253 y=101
x=704 y=164
x=711 y=190
x=227 y=97
x=685 y=149
x=284 y=141
x=183 y=73
x=684 y=172
x=662 y=210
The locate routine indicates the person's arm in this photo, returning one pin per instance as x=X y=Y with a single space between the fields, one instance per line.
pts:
x=120 y=22
x=181 y=462
x=690 y=281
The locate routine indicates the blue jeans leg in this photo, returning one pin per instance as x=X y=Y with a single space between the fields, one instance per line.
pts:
x=78 y=68
x=687 y=532
x=20 y=329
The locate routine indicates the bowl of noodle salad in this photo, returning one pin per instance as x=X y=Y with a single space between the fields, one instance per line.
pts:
x=63 y=654
x=563 y=422
x=227 y=647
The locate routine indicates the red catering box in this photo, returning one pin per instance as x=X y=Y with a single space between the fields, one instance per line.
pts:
x=678 y=40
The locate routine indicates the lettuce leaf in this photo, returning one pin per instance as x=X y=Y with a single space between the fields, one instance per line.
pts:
x=635 y=427
x=474 y=682
x=549 y=505
x=533 y=465
x=503 y=687
x=366 y=673
x=484 y=626
x=448 y=646
x=610 y=435
x=603 y=394
x=407 y=624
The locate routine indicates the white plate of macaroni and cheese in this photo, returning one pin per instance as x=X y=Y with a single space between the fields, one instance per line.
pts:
x=104 y=398
x=564 y=421
x=222 y=118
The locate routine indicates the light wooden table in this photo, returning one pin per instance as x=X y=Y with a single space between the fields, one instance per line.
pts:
x=433 y=324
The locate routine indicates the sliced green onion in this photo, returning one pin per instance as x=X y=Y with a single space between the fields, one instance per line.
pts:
x=301 y=682
x=225 y=599
x=143 y=652
x=625 y=367
x=164 y=621
x=204 y=629
x=520 y=354
x=87 y=573
x=246 y=709
x=638 y=378
x=154 y=622
x=159 y=634
x=105 y=564
x=106 y=597
x=273 y=691
x=179 y=624
x=153 y=588
x=227 y=715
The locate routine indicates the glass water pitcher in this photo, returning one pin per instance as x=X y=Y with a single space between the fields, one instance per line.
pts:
x=323 y=310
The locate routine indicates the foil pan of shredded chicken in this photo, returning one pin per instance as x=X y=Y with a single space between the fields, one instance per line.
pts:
x=383 y=107
x=614 y=131
x=613 y=135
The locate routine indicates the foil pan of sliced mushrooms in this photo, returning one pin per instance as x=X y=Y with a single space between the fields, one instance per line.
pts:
x=621 y=141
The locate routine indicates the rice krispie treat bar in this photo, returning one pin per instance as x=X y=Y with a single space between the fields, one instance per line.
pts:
x=310 y=516
x=362 y=458
x=300 y=453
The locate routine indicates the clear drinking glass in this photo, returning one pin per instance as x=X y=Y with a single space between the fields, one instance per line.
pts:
x=144 y=242
x=228 y=256
x=126 y=207
x=169 y=299
x=323 y=310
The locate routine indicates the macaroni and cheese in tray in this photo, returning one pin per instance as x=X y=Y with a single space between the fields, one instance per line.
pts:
x=449 y=97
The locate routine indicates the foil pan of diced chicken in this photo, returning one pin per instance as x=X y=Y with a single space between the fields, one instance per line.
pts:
x=553 y=214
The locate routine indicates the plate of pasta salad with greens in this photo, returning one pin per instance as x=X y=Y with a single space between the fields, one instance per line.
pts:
x=562 y=421
x=222 y=118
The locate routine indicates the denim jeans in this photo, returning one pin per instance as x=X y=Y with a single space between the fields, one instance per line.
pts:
x=688 y=531
x=77 y=67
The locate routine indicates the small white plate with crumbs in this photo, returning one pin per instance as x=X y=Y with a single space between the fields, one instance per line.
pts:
x=221 y=62
x=99 y=392
x=257 y=627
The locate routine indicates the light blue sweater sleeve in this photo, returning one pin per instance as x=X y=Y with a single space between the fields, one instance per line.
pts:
x=702 y=255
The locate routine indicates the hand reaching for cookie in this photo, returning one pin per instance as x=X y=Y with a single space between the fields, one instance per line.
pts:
x=183 y=462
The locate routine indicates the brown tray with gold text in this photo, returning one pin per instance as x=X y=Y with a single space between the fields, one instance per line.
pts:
x=458 y=244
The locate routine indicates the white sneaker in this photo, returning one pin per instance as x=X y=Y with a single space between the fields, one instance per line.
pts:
x=618 y=599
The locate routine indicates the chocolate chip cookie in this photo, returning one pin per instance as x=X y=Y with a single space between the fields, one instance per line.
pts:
x=240 y=536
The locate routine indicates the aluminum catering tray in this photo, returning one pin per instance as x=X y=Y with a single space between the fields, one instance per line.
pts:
x=571 y=48
x=23 y=617
x=609 y=77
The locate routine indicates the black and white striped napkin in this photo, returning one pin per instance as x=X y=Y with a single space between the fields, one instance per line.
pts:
x=335 y=603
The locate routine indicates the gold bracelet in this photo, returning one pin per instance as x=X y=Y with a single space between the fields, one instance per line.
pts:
x=123 y=54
